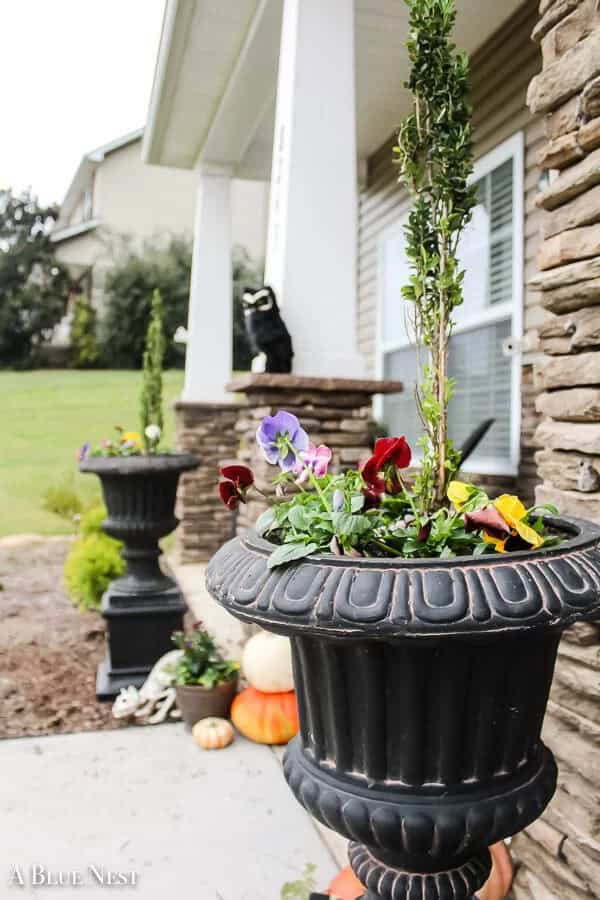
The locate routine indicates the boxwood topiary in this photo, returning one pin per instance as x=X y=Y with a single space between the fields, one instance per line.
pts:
x=93 y=562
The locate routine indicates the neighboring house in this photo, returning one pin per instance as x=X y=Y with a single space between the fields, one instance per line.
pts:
x=309 y=94
x=115 y=201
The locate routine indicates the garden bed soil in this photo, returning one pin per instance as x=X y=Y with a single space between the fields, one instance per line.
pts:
x=49 y=650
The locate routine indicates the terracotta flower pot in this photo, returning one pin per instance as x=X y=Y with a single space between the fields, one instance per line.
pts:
x=197 y=702
x=498 y=884
x=346 y=886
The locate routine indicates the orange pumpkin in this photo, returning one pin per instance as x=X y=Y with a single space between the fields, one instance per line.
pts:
x=346 y=886
x=266 y=718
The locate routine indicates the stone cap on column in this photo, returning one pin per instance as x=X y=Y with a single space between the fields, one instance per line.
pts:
x=252 y=383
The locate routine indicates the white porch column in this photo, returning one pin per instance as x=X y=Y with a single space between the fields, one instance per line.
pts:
x=312 y=239
x=209 y=353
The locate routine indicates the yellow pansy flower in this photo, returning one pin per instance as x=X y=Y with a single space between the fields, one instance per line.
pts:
x=133 y=436
x=459 y=493
x=499 y=544
x=513 y=512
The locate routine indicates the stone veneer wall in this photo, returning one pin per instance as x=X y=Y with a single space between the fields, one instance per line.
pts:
x=208 y=430
x=560 y=854
x=335 y=411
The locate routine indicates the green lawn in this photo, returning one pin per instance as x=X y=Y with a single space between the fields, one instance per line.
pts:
x=46 y=415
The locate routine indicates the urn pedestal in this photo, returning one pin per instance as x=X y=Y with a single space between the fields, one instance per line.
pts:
x=144 y=606
x=422 y=687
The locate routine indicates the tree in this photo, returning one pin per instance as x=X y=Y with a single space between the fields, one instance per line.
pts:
x=34 y=286
x=436 y=159
x=85 y=353
x=151 y=412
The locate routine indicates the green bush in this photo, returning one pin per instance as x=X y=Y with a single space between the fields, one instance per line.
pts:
x=93 y=561
x=85 y=352
x=92 y=519
x=62 y=500
x=129 y=288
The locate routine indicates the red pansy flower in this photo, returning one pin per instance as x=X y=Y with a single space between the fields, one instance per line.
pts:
x=380 y=472
x=238 y=481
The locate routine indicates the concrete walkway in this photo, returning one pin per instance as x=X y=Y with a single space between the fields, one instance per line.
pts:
x=187 y=822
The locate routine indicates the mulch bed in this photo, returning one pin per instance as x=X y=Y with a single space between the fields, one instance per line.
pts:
x=49 y=650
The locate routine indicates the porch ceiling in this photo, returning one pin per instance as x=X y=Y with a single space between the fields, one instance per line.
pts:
x=214 y=90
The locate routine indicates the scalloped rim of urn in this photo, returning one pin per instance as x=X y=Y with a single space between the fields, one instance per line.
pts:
x=140 y=464
x=584 y=534
x=343 y=597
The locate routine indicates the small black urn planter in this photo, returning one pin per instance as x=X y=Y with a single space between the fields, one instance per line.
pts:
x=144 y=606
x=422 y=687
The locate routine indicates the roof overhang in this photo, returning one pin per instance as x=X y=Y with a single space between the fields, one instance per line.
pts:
x=215 y=83
x=58 y=236
x=86 y=169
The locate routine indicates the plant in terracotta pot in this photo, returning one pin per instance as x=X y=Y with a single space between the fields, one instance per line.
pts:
x=424 y=616
x=139 y=484
x=205 y=683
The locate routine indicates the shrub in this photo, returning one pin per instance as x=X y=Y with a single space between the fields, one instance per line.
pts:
x=62 y=500
x=129 y=288
x=93 y=561
x=85 y=352
x=92 y=519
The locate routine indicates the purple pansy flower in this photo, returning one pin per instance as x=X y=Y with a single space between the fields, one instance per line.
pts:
x=315 y=458
x=273 y=428
x=83 y=451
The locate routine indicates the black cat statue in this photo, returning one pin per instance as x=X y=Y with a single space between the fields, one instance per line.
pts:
x=266 y=330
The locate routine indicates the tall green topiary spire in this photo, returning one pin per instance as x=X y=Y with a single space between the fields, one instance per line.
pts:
x=435 y=156
x=151 y=412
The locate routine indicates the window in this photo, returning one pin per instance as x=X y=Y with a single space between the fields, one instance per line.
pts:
x=487 y=376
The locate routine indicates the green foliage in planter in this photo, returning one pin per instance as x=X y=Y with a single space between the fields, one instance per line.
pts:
x=435 y=156
x=151 y=411
x=201 y=662
x=85 y=352
x=93 y=561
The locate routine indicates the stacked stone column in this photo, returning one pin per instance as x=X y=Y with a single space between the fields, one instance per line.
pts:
x=208 y=431
x=560 y=854
x=334 y=411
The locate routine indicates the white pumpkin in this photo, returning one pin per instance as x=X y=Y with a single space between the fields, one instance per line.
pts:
x=212 y=733
x=267 y=663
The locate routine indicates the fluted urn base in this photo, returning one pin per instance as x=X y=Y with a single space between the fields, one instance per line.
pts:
x=386 y=882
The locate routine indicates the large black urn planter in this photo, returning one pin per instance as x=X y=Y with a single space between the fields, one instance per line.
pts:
x=422 y=687
x=144 y=606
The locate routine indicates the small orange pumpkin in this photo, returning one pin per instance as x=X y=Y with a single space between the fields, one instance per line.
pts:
x=266 y=718
x=213 y=733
